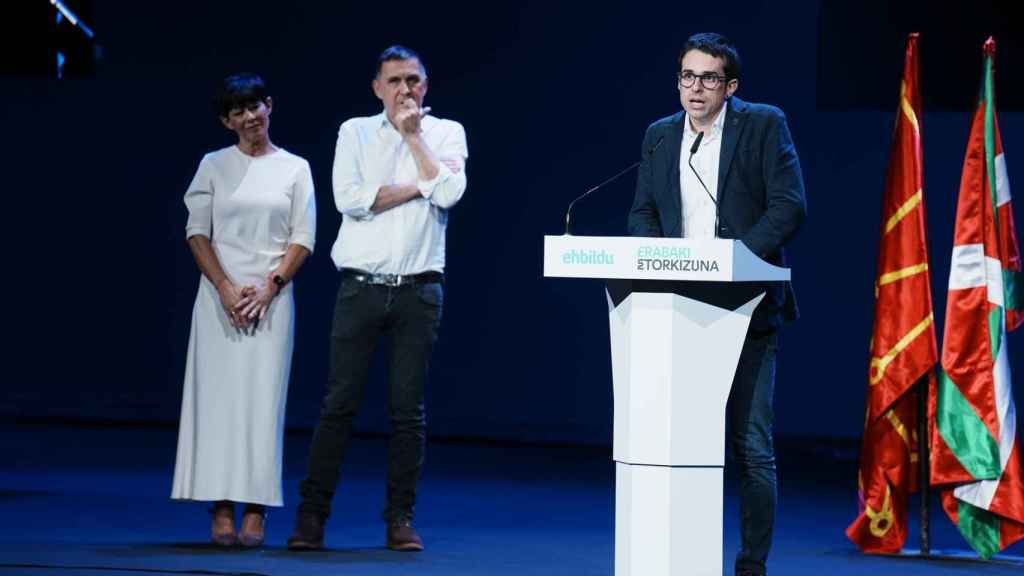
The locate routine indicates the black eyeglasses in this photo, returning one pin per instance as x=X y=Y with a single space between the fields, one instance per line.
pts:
x=710 y=80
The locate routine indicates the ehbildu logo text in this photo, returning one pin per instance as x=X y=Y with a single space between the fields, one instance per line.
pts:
x=587 y=257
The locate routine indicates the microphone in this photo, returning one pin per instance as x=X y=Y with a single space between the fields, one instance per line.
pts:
x=689 y=161
x=650 y=152
x=696 y=143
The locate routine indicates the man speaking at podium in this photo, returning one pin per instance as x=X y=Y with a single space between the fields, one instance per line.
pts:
x=726 y=168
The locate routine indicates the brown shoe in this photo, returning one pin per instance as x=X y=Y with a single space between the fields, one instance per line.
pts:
x=308 y=533
x=402 y=536
x=222 y=525
x=253 y=526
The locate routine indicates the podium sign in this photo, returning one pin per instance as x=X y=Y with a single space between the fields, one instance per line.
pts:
x=626 y=257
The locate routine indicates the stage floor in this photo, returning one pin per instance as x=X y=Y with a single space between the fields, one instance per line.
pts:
x=94 y=501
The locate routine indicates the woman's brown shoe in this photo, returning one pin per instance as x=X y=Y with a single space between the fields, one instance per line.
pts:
x=222 y=526
x=253 y=526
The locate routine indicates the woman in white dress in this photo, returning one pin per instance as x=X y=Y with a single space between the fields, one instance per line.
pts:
x=251 y=224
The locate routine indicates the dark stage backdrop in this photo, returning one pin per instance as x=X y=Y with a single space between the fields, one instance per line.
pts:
x=554 y=98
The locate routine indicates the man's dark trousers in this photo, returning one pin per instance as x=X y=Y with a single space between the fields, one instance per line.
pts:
x=410 y=314
x=749 y=418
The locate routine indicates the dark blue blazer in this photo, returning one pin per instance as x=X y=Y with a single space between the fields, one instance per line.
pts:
x=760 y=192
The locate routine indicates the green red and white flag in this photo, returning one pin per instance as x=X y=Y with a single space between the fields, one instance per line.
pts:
x=903 y=347
x=975 y=451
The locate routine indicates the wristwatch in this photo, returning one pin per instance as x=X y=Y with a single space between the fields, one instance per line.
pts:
x=279 y=281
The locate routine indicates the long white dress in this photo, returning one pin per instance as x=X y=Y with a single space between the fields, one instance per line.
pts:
x=236 y=383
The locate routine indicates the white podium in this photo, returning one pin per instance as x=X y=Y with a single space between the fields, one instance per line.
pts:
x=673 y=360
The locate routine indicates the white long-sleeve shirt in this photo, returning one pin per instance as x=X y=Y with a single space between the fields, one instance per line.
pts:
x=698 y=208
x=409 y=238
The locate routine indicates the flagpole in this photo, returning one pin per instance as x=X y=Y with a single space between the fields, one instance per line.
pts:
x=924 y=480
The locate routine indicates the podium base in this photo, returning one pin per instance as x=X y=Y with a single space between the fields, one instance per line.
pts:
x=668 y=520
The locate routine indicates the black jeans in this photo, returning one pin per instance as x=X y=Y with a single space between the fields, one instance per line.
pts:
x=749 y=418
x=410 y=315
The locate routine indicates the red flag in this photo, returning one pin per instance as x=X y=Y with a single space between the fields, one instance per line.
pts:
x=975 y=453
x=903 y=347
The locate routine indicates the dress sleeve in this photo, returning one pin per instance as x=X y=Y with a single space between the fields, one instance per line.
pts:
x=303 y=211
x=199 y=202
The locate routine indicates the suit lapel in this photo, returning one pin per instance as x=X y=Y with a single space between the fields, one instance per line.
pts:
x=735 y=116
x=673 y=142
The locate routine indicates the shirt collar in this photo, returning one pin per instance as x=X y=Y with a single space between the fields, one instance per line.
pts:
x=716 y=128
x=382 y=122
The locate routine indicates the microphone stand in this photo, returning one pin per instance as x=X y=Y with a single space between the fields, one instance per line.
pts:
x=689 y=162
x=568 y=211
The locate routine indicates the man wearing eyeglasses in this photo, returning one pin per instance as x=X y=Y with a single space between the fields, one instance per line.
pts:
x=396 y=175
x=745 y=183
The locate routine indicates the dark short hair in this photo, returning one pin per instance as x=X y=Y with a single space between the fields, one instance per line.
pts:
x=239 y=91
x=398 y=52
x=716 y=45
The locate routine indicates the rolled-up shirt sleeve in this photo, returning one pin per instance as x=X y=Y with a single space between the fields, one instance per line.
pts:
x=303 y=210
x=353 y=194
x=446 y=189
x=199 y=202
